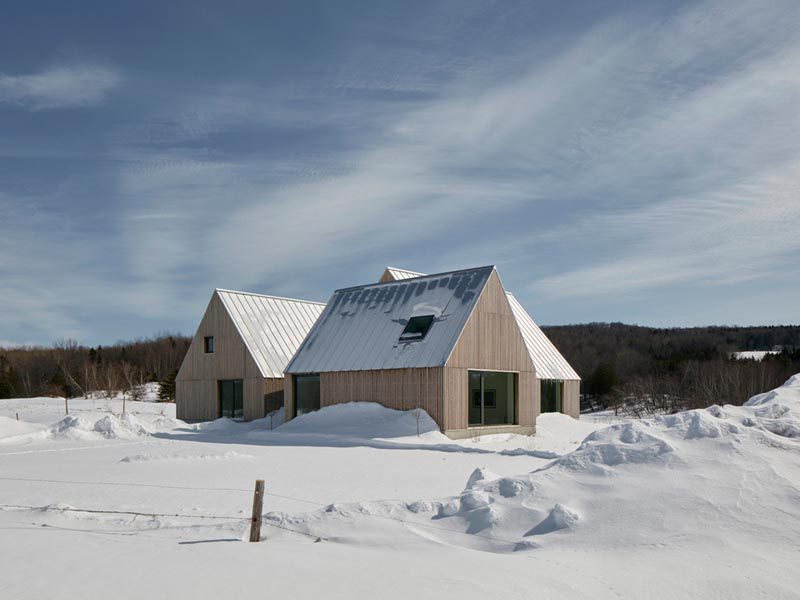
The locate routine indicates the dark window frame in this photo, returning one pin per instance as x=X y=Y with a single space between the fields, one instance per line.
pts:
x=417 y=328
x=208 y=344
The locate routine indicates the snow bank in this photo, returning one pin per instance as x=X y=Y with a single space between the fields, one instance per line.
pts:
x=366 y=420
x=12 y=430
x=617 y=445
x=74 y=427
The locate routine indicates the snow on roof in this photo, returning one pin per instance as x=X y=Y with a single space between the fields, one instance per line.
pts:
x=546 y=358
x=359 y=330
x=549 y=362
x=395 y=274
x=272 y=327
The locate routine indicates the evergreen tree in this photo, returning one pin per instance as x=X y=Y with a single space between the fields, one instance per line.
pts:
x=8 y=378
x=166 y=393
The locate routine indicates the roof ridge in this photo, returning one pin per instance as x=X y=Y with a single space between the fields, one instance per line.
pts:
x=403 y=270
x=269 y=296
x=402 y=281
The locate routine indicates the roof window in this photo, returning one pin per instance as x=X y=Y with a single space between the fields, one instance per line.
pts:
x=416 y=328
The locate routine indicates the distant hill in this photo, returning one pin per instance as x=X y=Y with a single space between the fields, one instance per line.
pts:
x=693 y=360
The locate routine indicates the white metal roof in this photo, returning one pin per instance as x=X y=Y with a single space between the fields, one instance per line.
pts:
x=549 y=362
x=359 y=330
x=272 y=327
x=399 y=274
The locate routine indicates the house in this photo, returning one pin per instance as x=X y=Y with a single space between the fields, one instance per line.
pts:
x=234 y=365
x=449 y=343
x=559 y=385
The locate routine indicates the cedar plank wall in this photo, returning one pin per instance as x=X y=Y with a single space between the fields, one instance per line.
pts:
x=196 y=383
x=490 y=341
x=572 y=398
x=402 y=389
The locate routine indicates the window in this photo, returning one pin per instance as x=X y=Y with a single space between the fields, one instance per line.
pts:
x=416 y=328
x=306 y=394
x=493 y=398
x=552 y=395
x=231 y=394
x=208 y=344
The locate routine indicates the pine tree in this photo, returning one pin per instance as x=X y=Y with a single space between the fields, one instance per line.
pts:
x=166 y=392
x=8 y=378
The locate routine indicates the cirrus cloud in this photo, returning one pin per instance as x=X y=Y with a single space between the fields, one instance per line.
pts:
x=59 y=87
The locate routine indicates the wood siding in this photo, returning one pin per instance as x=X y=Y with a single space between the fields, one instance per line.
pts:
x=196 y=393
x=490 y=341
x=402 y=389
x=571 y=402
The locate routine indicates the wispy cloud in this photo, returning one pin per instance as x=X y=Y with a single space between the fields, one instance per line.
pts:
x=632 y=154
x=59 y=87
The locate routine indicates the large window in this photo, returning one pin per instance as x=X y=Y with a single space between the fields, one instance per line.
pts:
x=492 y=398
x=231 y=396
x=552 y=395
x=306 y=394
x=208 y=344
x=416 y=328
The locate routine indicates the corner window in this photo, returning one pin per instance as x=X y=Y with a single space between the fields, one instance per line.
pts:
x=208 y=344
x=492 y=399
x=416 y=328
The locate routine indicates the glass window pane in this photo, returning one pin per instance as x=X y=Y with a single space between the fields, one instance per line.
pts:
x=416 y=328
x=492 y=398
x=474 y=398
x=499 y=392
x=552 y=394
x=306 y=394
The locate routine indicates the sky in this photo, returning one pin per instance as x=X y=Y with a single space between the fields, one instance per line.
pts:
x=617 y=161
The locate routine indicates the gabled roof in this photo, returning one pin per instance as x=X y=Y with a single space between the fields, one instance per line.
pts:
x=546 y=358
x=271 y=327
x=394 y=274
x=359 y=329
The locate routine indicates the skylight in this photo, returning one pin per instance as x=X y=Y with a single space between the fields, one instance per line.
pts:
x=416 y=328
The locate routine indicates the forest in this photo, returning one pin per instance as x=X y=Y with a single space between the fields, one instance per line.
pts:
x=646 y=370
x=634 y=370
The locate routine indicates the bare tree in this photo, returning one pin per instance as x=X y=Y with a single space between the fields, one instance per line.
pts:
x=132 y=375
x=67 y=357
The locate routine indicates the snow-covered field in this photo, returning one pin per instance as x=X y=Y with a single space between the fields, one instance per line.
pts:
x=702 y=504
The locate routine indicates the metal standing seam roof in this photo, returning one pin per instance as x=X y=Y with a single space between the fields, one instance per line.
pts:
x=359 y=329
x=547 y=360
x=271 y=327
x=400 y=274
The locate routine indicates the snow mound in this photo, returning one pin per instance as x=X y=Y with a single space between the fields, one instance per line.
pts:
x=12 y=430
x=73 y=427
x=699 y=423
x=616 y=445
x=776 y=411
x=366 y=420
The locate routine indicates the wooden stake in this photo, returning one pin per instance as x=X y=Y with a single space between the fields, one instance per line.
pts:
x=258 y=505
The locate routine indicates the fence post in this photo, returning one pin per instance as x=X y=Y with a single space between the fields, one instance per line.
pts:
x=258 y=504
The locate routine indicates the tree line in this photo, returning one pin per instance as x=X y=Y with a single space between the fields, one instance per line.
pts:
x=638 y=370
x=646 y=370
x=70 y=369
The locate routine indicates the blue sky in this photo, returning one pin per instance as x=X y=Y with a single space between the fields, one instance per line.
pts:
x=635 y=162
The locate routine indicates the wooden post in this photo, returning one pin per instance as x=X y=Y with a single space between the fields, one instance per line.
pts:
x=258 y=505
x=17 y=416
